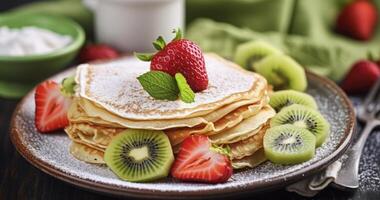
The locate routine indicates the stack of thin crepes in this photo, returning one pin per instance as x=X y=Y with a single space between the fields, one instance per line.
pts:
x=233 y=111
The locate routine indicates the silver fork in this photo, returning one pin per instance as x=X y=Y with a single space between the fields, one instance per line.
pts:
x=369 y=113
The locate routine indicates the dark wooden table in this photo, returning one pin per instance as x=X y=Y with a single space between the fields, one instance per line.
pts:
x=20 y=180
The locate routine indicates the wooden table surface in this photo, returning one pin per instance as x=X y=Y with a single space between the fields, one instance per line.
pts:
x=20 y=180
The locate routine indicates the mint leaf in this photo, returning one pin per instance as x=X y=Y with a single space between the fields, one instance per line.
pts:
x=185 y=93
x=159 y=85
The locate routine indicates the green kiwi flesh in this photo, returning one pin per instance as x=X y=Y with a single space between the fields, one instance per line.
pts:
x=284 y=98
x=139 y=155
x=303 y=117
x=282 y=72
x=247 y=54
x=288 y=144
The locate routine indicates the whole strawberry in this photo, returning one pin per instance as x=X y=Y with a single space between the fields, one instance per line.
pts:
x=358 y=20
x=94 y=52
x=361 y=77
x=180 y=55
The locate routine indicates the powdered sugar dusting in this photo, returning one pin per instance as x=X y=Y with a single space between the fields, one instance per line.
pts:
x=115 y=87
x=53 y=150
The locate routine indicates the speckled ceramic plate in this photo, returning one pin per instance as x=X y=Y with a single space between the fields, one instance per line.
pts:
x=50 y=153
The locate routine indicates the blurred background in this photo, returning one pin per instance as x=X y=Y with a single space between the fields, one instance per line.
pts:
x=327 y=37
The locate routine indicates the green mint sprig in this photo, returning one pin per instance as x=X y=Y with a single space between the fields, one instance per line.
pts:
x=185 y=93
x=163 y=86
x=159 y=85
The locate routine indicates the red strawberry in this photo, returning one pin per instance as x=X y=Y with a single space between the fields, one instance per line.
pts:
x=196 y=161
x=180 y=55
x=51 y=107
x=361 y=77
x=93 y=52
x=358 y=20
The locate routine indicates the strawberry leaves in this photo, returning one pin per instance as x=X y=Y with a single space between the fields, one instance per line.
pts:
x=144 y=56
x=178 y=34
x=68 y=86
x=163 y=86
x=159 y=44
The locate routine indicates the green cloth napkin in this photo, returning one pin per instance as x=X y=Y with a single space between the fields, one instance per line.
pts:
x=301 y=28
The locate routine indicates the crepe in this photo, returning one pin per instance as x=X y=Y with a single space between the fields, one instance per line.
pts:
x=114 y=87
x=230 y=120
x=84 y=111
x=86 y=153
x=245 y=129
x=250 y=161
x=94 y=136
x=248 y=146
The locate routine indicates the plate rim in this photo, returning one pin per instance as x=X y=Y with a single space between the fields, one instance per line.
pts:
x=267 y=185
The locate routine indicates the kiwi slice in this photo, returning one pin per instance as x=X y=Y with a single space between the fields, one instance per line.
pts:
x=282 y=72
x=283 y=98
x=289 y=144
x=247 y=54
x=139 y=155
x=303 y=117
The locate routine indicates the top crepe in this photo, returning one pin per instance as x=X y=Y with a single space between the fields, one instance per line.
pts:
x=114 y=87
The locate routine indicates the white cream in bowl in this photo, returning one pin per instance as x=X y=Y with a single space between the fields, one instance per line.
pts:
x=30 y=40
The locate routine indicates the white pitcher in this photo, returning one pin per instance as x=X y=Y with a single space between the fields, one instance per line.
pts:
x=132 y=25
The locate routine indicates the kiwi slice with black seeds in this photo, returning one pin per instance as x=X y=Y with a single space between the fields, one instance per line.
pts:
x=140 y=155
x=249 y=53
x=303 y=117
x=289 y=144
x=284 y=98
x=282 y=72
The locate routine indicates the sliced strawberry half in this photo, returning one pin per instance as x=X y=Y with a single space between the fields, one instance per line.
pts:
x=51 y=107
x=197 y=161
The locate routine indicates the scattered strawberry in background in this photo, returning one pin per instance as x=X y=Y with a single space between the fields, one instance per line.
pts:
x=51 y=107
x=92 y=52
x=378 y=63
x=180 y=55
x=358 y=20
x=197 y=161
x=361 y=77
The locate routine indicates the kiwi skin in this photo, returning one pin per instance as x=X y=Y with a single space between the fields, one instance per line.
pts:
x=304 y=117
x=291 y=152
x=247 y=54
x=160 y=154
x=283 y=98
x=282 y=72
